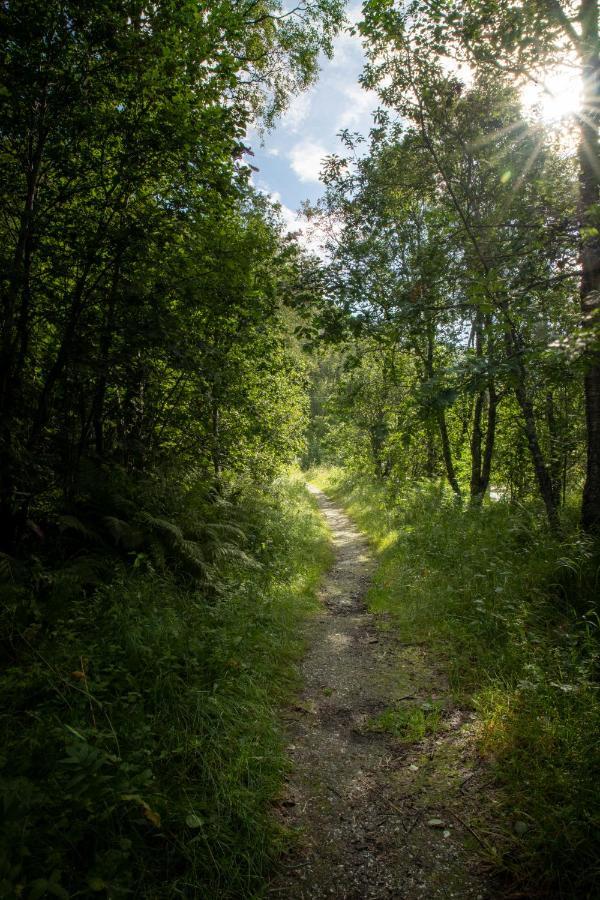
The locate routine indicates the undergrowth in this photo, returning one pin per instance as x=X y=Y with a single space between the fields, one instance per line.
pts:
x=140 y=740
x=513 y=613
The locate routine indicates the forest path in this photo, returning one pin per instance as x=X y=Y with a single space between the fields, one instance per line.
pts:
x=378 y=817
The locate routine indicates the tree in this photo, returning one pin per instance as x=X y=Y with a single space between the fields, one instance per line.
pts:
x=521 y=41
x=460 y=256
x=122 y=142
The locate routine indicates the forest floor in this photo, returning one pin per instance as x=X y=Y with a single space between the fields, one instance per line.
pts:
x=385 y=785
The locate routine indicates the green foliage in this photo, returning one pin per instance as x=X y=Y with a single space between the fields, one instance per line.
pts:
x=458 y=283
x=142 y=279
x=141 y=744
x=150 y=390
x=512 y=611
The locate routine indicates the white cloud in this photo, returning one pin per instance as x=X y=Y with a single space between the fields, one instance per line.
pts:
x=292 y=221
x=310 y=238
x=298 y=112
x=306 y=159
x=360 y=104
x=273 y=151
x=346 y=51
x=354 y=13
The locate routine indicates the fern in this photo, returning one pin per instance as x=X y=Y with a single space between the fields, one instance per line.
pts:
x=215 y=529
x=7 y=564
x=72 y=523
x=123 y=533
x=229 y=552
x=162 y=527
x=77 y=574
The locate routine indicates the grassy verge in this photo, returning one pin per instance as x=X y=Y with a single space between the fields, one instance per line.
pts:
x=140 y=736
x=513 y=613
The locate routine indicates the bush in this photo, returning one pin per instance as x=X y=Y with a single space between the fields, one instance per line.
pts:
x=141 y=744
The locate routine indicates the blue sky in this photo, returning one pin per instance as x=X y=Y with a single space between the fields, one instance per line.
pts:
x=289 y=159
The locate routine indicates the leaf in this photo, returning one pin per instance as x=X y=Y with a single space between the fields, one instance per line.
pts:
x=151 y=815
x=123 y=533
x=72 y=523
x=194 y=821
x=76 y=733
x=147 y=810
x=6 y=566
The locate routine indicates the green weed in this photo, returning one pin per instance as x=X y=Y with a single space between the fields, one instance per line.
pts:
x=410 y=724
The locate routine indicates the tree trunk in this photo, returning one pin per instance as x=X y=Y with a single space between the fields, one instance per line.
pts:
x=79 y=297
x=14 y=335
x=447 y=453
x=216 y=437
x=482 y=453
x=476 y=441
x=490 y=436
x=97 y=415
x=430 y=460
x=531 y=433
x=476 y=436
x=555 y=464
x=589 y=195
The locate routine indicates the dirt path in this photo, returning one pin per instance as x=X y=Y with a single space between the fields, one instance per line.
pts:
x=379 y=813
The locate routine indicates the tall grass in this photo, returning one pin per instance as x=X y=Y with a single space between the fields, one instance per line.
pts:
x=140 y=736
x=513 y=613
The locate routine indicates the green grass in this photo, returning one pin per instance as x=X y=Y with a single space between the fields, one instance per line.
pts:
x=409 y=724
x=141 y=745
x=512 y=613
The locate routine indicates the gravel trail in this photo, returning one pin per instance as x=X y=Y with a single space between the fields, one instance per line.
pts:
x=377 y=815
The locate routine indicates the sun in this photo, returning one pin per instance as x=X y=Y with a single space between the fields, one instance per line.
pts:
x=554 y=98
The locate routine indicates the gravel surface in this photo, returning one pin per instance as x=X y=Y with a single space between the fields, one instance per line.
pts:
x=376 y=817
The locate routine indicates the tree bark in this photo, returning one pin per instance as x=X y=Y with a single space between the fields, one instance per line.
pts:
x=589 y=196
x=216 y=437
x=477 y=434
x=441 y=418
x=555 y=464
x=97 y=415
x=482 y=453
x=490 y=436
x=15 y=334
x=542 y=473
x=447 y=453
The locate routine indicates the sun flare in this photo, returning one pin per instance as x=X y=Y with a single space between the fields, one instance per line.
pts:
x=554 y=98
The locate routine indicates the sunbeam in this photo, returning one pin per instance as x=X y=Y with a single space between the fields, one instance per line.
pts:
x=554 y=98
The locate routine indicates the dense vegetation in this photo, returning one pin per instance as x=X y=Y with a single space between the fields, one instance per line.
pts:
x=166 y=352
x=150 y=390
x=141 y=746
